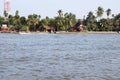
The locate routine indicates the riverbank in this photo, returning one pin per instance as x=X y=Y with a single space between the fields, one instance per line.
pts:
x=88 y=32
x=64 y=32
x=102 y=32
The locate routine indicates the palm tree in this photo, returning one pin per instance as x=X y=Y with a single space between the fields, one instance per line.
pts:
x=100 y=12
x=16 y=21
x=108 y=21
x=108 y=12
x=44 y=23
x=5 y=14
x=11 y=19
x=70 y=19
x=23 y=20
x=35 y=22
x=28 y=24
x=60 y=12
x=59 y=20
x=36 y=19
x=91 y=22
x=32 y=21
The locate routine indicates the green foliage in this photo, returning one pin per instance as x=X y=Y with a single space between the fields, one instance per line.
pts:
x=33 y=21
x=11 y=19
x=24 y=28
x=116 y=21
x=91 y=22
x=63 y=22
x=5 y=14
x=23 y=20
x=108 y=12
x=2 y=19
x=100 y=12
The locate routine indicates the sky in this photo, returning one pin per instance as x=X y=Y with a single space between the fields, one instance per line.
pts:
x=50 y=7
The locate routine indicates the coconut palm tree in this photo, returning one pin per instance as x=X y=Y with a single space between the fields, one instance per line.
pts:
x=5 y=14
x=70 y=20
x=59 y=20
x=16 y=21
x=91 y=22
x=23 y=20
x=100 y=12
x=32 y=21
x=108 y=12
x=6 y=17
x=60 y=12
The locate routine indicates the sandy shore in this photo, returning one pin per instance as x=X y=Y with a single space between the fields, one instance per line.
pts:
x=63 y=32
x=103 y=32
x=87 y=32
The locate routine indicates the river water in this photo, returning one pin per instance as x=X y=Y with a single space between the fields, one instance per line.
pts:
x=60 y=57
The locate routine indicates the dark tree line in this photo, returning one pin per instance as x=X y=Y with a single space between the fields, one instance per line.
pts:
x=63 y=22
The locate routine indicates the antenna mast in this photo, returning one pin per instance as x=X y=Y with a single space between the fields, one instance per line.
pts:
x=7 y=5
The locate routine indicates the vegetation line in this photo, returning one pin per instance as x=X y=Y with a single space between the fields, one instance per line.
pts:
x=63 y=22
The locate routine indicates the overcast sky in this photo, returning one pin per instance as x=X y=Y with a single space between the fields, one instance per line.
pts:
x=50 y=7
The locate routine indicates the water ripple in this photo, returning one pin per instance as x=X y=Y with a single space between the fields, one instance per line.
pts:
x=59 y=57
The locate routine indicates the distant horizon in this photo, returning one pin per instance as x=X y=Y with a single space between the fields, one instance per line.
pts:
x=50 y=8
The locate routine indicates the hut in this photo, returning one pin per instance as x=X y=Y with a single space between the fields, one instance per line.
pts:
x=77 y=27
x=50 y=29
x=4 y=28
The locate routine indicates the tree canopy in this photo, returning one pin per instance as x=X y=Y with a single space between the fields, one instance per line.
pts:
x=63 y=21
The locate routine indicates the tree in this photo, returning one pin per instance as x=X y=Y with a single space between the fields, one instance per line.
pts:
x=11 y=19
x=108 y=21
x=59 y=20
x=100 y=12
x=1 y=19
x=117 y=22
x=17 y=14
x=23 y=20
x=60 y=12
x=6 y=17
x=16 y=21
x=5 y=14
x=63 y=22
x=103 y=25
x=91 y=22
x=59 y=23
x=44 y=23
x=108 y=12
x=70 y=20
x=32 y=21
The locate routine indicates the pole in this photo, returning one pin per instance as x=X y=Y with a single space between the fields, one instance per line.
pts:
x=4 y=6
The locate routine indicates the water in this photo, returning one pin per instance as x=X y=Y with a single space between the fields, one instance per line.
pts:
x=60 y=57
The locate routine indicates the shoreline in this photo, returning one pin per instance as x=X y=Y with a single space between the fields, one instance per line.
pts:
x=63 y=32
